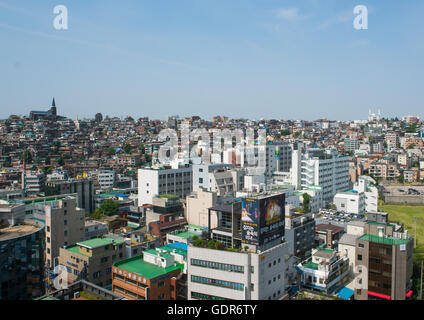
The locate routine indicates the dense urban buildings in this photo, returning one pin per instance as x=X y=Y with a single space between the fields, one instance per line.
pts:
x=297 y=209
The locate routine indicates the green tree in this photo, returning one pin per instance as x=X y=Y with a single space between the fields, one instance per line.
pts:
x=285 y=132
x=112 y=151
x=127 y=148
x=109 y=207
x=142 y=149
x=401 y=179
x=306 y=202
x=97 y=214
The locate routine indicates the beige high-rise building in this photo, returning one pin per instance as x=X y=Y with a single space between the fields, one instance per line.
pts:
x=65 y=225
x=197 y=205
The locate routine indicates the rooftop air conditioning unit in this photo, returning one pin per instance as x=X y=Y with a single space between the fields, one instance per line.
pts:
x=76 y=295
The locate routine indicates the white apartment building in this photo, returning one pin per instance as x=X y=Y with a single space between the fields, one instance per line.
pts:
x=33 y=182
x=222 y=274
x=325 y=168
x=106 y=179
x=224 y=179
x=367 y=186
x=156 y=181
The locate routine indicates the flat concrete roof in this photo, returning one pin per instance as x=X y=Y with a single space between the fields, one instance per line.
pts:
x=27 y=227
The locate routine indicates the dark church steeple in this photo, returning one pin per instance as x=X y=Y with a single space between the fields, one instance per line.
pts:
x=53 y=103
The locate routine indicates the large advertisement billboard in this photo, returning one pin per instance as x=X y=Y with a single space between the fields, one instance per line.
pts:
x=250 y=221
x=263 y=219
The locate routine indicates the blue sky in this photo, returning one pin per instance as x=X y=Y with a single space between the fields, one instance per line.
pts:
x=240 y=58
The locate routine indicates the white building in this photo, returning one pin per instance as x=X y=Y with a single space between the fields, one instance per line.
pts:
x=158 y=181
x=222 y=274
x=106 y=179
x=325 y=168
x=350 y=202
x=224 y=179
x=325 y=271
x=367 y=186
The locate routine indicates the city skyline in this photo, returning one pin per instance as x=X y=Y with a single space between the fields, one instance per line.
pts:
x=243 y=59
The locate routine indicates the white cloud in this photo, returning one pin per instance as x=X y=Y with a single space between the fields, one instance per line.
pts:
x=290 y=14
x=340 y=18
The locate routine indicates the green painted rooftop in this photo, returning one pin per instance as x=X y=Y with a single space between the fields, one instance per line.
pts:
x=147 y=270
x=311 y=265
x=98 y=242
x=384 y=240
x=75 y=249
x=187 y=234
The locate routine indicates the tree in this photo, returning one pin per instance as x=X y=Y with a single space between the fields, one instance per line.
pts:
x=285 y=132
x=142 y=149
x=306 y=202
x=97 y=214
x=127 y=148
x=108 y=207
x=401 y=179
x=112 y=151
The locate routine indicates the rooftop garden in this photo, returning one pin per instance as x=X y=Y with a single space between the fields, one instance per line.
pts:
x=203 y=242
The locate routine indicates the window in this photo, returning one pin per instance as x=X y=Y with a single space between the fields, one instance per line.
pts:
x=48 y=229
x=48 y=239
x=359 y=257
x=361 y=245
x=161 y=284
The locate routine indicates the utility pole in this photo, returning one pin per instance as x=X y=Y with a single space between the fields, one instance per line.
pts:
x=415 y=237
x=421 y=284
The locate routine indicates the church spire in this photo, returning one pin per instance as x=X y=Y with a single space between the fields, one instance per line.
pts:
x=53 y=103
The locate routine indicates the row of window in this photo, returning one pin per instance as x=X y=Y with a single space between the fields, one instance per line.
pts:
x=129 y=293
x=217 y=266
x=218 y=283
x=201 y=296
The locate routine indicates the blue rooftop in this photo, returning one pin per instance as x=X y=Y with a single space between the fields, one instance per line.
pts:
x=345 y=293
x=178 y=245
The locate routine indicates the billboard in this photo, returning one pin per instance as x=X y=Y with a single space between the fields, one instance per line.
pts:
x=263 y=219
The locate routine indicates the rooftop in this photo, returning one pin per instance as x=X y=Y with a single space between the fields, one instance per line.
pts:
x=187 y=234
x=311 y=265
x=384 y=240
x=26 y=228
x=147 y=270
x=75 y=249
x=98 y=242
x=171 y=249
